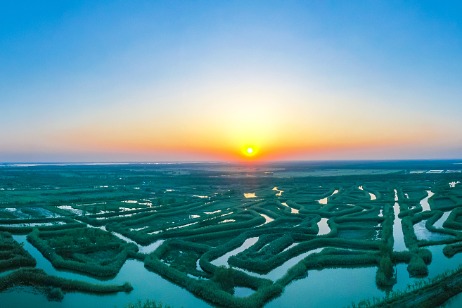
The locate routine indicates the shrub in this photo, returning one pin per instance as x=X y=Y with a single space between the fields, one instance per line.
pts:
x=54 y=294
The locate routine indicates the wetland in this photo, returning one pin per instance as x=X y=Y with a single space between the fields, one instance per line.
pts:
x=201 y=235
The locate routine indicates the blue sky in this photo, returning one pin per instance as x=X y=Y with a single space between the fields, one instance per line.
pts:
x=197 y=80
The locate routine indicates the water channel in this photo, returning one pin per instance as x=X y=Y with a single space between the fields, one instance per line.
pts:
x=146 y=284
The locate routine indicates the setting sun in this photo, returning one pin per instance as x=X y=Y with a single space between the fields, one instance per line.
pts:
x=249 y=151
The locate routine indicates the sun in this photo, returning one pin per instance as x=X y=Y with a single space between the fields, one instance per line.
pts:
x=249 y=151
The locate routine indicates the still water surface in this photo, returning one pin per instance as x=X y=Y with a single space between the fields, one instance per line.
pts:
x=316 y=289
x=146 y=284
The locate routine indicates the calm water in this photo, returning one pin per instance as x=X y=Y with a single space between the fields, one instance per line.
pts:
x=329 y=288
x=147 y=285
x=351 y=285
x=354 y=285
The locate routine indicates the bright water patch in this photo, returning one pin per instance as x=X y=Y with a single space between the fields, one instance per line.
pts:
x=142 y=249
x=223 y=260
x=291 y=246
x=71 y=209
x=198 y=266
x=424 y=203
x=214 y=212
x=279 y=272
x=398 y=236
x=325 y=200
x=439 y=223
x=151 y=247
x=453 y=184
x=292 y=210
x=138 y=229
x=323 y=226
x=372 y=196
x=279 y=192
x=422 y=233
x=226 y=221
x=267 y=219
x=34 y=224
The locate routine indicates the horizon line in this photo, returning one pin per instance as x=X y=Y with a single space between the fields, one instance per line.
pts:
x=220 y=162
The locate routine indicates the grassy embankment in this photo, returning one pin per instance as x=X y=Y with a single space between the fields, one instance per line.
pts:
x=12 y=255
x=53 y=287
x=426 y=293
x=86 y=250
x=217 y=290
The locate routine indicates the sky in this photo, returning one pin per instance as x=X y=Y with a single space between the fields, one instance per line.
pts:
x=206 y=80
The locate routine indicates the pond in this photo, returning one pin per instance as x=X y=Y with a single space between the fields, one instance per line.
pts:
x=323 y=227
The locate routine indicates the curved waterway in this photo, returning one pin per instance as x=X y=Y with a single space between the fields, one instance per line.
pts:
x=371 y=195
x=398 y=244
x=422 y=233
x=274 y=274
x=439 y=223
x=267 y=219
x=326 y=199
x=292 y=210
x=223 y=260
x=424 y=203
x=146 y=284
x=142 y=249
x=279 y=272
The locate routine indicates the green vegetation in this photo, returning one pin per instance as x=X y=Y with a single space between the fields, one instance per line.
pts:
x=53 y=287
x=86 y=218
x=146 y=304
x=12 y=254
x=425 y=293
x=87 y=250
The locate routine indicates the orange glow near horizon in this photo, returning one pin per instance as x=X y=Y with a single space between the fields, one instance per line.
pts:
x=247 y=130
x=223 y=146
